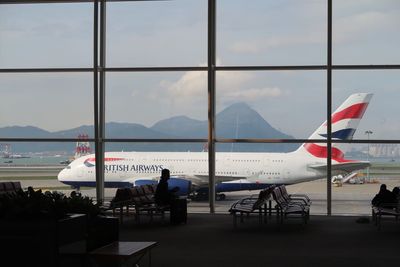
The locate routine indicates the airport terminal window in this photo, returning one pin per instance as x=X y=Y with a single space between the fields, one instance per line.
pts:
x=381 y=115
x=58 y=35
x=152 y=33
x=48 y=105
x=300 y=38
x=352 y=193
x=156 y=105
x=252 y=104
x=284 y=72
x=366 y=32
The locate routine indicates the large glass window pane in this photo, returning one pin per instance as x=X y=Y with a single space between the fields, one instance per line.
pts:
x=277 y=104
x=380 y=117
x=46 y=35
x=157 y=105
x=157 y=33
x=46 y=105
x=128 y=164
x=244 y=172
x=271 y=32
x=366 y=32
x=353 y=190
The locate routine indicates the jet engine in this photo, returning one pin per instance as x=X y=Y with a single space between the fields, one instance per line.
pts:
x=182 y=186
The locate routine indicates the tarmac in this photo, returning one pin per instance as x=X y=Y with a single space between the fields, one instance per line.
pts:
x=349 y=199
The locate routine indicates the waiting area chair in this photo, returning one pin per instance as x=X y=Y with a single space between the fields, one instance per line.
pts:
x=291 y=207
x=252 y=204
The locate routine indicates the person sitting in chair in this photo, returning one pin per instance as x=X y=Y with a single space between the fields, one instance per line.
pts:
x=383 y=196
x=396 y=194
x=163 y=196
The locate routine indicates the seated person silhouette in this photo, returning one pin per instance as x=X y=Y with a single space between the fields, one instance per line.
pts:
x=396 y=193
x=163 y=196
x=383 y=196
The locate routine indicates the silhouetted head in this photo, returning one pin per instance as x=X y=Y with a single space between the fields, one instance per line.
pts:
x=383 y=187
x=396 y=191
x=165 y=174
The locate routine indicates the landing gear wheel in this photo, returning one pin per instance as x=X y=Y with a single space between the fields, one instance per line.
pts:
x=221 y=196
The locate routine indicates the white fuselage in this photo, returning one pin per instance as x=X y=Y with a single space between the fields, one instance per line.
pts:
x=308 y=162
x=270 y=168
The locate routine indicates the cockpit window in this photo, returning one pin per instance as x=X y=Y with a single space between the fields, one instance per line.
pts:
x=68 y=167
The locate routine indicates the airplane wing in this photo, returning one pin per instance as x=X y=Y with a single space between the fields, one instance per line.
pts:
x=343 y=167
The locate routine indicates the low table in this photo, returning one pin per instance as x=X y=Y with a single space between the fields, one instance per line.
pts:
x=118 y=253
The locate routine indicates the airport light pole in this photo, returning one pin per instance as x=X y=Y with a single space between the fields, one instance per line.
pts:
x=368 y=133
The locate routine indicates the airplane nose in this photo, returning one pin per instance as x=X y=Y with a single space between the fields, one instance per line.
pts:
x=62 y=175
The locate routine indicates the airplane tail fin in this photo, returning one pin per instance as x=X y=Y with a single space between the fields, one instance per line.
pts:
x=345 y=121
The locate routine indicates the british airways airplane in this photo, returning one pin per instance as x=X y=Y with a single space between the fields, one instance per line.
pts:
x=234 y=171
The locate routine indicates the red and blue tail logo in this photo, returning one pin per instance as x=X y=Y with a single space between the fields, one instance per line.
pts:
x=345 y=121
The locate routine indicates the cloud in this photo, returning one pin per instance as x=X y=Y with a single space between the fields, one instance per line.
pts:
x=193 y=84
x=232 y=86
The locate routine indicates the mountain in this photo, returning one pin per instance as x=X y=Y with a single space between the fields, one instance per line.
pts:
x=182 y=126
x=236 y=121
x=24 y=131
x=116 y=130
x=241 y=121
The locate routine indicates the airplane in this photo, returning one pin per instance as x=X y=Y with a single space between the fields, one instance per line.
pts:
x=234 y=171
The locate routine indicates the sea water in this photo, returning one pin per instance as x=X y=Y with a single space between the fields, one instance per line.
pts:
x=34 y=161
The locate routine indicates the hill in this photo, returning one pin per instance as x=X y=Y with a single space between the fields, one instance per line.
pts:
x=236 y=121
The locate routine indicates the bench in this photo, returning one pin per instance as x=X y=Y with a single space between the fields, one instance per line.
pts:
x=9 y=187
x=140 y=198
x=252 y=204
x=288 y=206
x=302 y=198
x=385 y=210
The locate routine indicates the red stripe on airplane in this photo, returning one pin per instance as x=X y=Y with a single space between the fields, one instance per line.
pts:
x=322 y=152
x=355 y=111
x=105 y=159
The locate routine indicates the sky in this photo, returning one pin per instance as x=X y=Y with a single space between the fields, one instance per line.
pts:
x=174 y=33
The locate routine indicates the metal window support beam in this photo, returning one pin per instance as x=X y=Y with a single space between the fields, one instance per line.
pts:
x=99 y=80
x=194 y=68
x=217 y=140
x=67 y=1
x=329 y=111
x=211 y=100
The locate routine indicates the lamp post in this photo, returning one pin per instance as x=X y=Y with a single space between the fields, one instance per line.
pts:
x=368 y=133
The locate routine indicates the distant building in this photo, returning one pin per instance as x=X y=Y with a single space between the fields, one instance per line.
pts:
x=82 y=147
x=384 y=150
